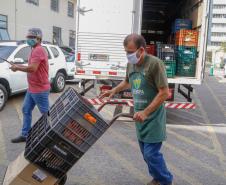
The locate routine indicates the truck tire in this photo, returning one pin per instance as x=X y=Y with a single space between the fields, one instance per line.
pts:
x=59 y=82
x=3 y=96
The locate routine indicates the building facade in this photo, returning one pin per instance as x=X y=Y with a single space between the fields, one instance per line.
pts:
x=56 y=18
x=217 y=30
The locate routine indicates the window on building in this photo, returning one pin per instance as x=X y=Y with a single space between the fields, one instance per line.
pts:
x=219 y=6
x=220 y=16
x=216 y=43
x=55 y=52
x=4 y=35
x=57 y=36
x=218 y=34
x=35 y=2
x=219 y=25
x=70 y=10
x=55 y=5
x=23 y=53
x=72 y=39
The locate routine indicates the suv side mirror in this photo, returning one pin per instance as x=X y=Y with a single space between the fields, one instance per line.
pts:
x=19 y=61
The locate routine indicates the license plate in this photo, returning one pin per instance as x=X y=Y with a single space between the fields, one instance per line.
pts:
x=99 y=57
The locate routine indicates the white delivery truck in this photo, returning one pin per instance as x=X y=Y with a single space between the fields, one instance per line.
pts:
x=103 y=24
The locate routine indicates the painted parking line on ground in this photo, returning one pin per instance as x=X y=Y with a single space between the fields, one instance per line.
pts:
x=218 y=148
x=194 y=160
x=200 y=130
x=185 y=139
x=3 y=155
x=73 y=179
x=216 y=99
x=187 y=178
x=190 y=142
x=135 y=172
x=191 y=113
x=17 y=104
x=182 y=117
x=177 y=151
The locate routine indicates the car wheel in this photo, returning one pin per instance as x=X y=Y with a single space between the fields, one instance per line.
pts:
x=59 y=82
x=3 y=96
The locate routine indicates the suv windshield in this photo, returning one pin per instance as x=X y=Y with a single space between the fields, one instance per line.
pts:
x=5 y=51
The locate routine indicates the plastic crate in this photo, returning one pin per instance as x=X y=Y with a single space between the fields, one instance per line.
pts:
x=166 y=51
x=170 y=67
x=181 y=24
x=50 y=151
x=151 y=49
x=71 y=128
x=186 y=54
x=187 y=38
x=186 y=69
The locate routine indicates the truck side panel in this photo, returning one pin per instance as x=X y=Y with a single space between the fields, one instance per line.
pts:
x=102 y=27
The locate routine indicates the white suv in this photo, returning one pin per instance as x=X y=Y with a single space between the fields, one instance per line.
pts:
x=15 y=82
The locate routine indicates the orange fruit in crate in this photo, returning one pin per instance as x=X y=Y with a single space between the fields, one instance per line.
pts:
x=90 y=118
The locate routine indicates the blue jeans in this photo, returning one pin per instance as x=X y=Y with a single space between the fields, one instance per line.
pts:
x=155 y=162
x=30 y=100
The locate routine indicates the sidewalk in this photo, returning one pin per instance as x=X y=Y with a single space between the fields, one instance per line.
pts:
x=218 y=74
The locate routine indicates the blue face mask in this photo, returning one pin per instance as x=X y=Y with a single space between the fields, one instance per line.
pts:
x=132 y=58
x=31 y=42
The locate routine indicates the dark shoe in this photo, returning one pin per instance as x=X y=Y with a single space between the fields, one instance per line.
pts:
x=19 y=139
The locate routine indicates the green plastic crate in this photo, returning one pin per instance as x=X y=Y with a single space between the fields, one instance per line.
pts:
x=186 y=69
x=170 y=66
x=186 y=54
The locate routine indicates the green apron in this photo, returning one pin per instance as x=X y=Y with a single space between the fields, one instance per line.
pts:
x=153 y=129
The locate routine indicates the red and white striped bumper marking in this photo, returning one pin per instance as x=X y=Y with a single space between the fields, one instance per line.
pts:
x=180 y=105
x=173 y=105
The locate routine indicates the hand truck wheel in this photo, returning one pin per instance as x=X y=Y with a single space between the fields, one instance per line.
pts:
x=62 y=181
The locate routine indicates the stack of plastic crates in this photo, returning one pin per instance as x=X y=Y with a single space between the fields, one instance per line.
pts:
x=186 y=41
x=58 y=140
x=187 y=38
x=151 y=49
x=181 y=24
x=186 y=61
x=166 y=52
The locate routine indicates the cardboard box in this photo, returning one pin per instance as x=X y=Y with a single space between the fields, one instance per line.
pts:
x=22 y=172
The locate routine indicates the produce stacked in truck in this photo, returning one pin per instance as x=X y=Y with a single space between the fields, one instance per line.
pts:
x=186 y=41
x=166 y=52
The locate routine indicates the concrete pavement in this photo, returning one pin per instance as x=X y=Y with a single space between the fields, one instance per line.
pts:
x=195 y=150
